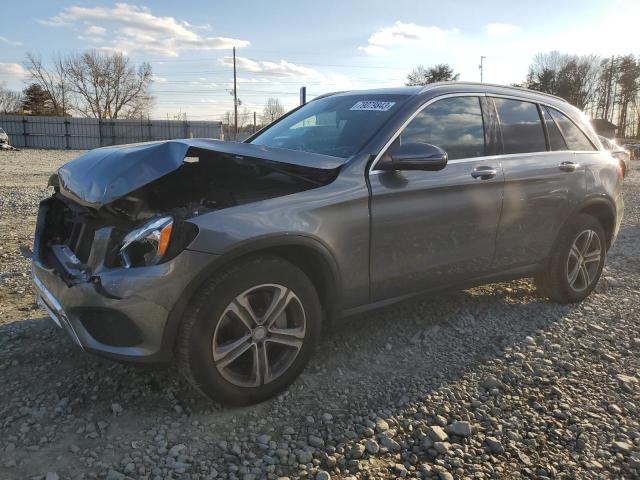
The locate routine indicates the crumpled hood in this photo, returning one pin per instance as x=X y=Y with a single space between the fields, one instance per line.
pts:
x=103 y=175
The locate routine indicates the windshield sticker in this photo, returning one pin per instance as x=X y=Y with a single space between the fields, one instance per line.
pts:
x=373 y=105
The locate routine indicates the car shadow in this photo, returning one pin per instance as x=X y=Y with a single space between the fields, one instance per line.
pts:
x=415 y=347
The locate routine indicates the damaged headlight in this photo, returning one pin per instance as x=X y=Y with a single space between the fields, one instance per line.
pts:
x=147 y=244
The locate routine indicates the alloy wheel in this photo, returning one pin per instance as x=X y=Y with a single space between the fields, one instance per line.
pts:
x=259 y=335
x=584 y=260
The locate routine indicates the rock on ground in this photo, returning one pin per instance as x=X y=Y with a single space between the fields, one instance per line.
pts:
x=491 y=382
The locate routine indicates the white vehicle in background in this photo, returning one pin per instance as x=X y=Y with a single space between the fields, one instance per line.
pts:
x=618 y=152
x=4 y=138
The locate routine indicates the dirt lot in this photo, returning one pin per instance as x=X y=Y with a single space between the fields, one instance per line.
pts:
x=491 y=382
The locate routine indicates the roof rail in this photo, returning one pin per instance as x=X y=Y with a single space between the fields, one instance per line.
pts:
x=438 y=84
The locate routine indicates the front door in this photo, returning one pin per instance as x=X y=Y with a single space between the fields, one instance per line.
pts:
x=431 y=229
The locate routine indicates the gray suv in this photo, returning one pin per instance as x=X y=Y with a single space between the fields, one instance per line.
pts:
x=229 y=257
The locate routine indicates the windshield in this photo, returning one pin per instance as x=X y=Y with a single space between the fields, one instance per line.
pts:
x=338 y=125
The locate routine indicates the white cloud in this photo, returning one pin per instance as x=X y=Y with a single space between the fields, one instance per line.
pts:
x=255 y=80
x=402 y=34
x=203 y=82
x=95 y=30
x=13 y=43
x=12 y=70
x=374 y=50
x=282 y=69
x=274 y=72
x=134 y=28
x=501 y=29
x=159 y=79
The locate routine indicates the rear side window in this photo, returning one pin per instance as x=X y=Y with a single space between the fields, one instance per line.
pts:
x=453 y=124
x=521 y=126
x=556 y=141
x=576 y=140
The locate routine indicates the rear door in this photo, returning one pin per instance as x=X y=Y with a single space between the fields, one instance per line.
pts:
x=543 y=182
x=431 y=229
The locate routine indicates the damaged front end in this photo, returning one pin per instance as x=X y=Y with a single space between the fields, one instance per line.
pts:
x=111 y=256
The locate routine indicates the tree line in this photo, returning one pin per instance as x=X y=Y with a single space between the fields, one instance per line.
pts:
x=108 y=85
x=272 y=110
x=93 y=84
x=606 y=88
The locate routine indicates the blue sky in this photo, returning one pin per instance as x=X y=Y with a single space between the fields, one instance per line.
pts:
x=329 y=45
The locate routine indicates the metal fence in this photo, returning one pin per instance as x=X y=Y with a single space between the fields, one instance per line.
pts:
x=87 y=133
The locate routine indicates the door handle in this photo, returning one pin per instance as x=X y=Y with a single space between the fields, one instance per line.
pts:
x=568 y=166
x=484 y=173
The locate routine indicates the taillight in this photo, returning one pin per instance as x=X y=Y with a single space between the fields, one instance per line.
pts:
x=621 y=171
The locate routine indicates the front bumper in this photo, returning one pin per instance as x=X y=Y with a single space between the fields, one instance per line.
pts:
x=124 y=314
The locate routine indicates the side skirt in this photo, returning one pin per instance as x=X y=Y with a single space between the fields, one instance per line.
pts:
x=504 y=276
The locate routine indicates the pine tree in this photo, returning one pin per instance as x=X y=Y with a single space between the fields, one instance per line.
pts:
x=36 y=101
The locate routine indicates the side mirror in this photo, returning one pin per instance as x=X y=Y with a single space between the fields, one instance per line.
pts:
x=415 y=156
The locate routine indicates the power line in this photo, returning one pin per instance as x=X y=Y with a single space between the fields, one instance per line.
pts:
x=220 y=93
x=271 y=82
x=303 y=63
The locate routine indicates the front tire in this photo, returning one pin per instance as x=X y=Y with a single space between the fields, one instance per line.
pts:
x=576 y=262
x=250 y=331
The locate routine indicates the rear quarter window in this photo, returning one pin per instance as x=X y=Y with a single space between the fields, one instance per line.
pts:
x=575 y=138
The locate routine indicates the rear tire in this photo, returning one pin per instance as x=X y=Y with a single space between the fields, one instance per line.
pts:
x=576 y=262
x=249 y=331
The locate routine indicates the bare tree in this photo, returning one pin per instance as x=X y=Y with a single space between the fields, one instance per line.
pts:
x=572 y=77
x=272 y=111
x=439 y=73
x=52 y=80
x=140 y=108
x=629 y=87
x=10 y=100
x=107 y=85
x=245 y=119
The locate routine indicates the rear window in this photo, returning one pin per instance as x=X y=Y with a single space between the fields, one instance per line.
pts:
x=575 y=138
x=521 y=126
x=338 y=125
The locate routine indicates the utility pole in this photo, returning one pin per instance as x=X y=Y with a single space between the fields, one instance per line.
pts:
x=235 y=96
x=254 y=122
x=481 y=66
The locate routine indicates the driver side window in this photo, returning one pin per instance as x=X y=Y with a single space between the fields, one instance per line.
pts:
x=453 y=124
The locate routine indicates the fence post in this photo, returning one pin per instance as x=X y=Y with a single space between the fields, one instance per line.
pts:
x=24 y=131
x=113 y=133
x=66 y=133
x=149 y=138
x=100 y=131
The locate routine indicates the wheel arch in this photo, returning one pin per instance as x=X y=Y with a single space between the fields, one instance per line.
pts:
x=308 y=254
x=602 y=210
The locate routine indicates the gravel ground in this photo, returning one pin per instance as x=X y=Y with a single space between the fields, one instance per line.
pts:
x=491 y=382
